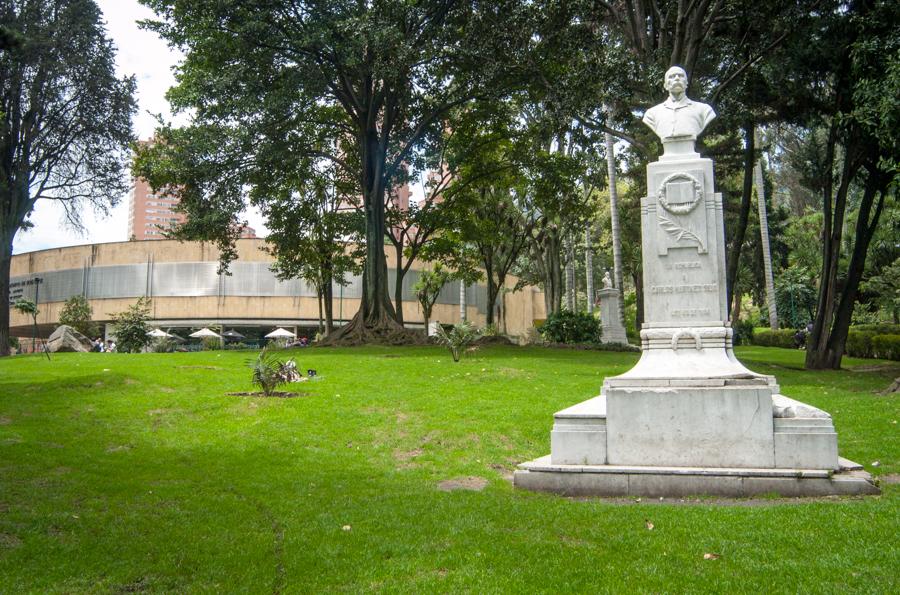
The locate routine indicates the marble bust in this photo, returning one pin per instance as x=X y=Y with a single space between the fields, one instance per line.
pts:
x=678 y=118
x=607 y=282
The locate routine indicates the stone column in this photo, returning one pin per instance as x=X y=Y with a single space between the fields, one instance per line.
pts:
x=611 y=317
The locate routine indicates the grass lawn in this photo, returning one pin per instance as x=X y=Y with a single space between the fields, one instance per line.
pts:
x=137 y=473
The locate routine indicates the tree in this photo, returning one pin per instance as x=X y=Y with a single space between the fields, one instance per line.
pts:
x=131 y=328
x=77 y=313
x=383 y=74
x=313 y=238
x=65 y=119
x=428 y=288
x=859 y=72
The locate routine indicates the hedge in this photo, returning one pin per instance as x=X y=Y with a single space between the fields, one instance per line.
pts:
x=766 y=337
x=886 y=347
x=863 y=341
x=859 y=343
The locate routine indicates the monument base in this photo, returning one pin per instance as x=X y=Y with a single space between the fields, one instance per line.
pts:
x=726 y=437
x=541 y=475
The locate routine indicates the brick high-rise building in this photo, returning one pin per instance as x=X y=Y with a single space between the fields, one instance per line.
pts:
x=149 y=214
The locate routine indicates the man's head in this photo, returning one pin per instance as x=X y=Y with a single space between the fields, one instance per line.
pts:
x=676 y=80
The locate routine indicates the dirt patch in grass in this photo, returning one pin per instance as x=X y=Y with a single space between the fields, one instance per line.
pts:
x=471 y=484
x=200 y=368
x=164 y=411
x=166 y=389
x=5 y=421
x=273 y=395
x=9 y=541
x=889 y=478
x=119 y=448
x=131 y=381
x=405 y=455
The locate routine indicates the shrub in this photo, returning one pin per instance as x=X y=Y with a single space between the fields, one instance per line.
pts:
x=270 y=372
x=883 y=328
x=77 y=313
x=571 y=327
x=886 y=347
x=131 y=326
x=766 y=337
x=211 y=343
x=859 y=343
x=743 y=332
x=162 y=345
x=457 y=338
x=14 y=343
x=491 y=330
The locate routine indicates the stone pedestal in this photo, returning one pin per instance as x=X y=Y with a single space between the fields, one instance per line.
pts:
x=611 y=317
x=689 y=418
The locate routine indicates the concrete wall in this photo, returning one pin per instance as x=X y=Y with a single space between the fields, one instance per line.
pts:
x=522 y=307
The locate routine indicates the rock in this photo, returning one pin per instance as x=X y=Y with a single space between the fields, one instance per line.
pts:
x=65 y=338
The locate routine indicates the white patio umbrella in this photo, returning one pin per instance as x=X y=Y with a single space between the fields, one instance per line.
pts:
x=158 y=333
x=232 y=334
x=204 y=332
x=280 y=333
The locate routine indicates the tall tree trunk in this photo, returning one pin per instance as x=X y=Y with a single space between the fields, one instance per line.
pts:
x=764 y=240
x=328 y=300
x=570 y=274
x=5 y=263
x=866 y=224
x=319 y=298
x=614 y=224
x=463 y=314
x=818 y=355
x=398 y=282
x=734 y=257
x=589 y=267
x=553 y=285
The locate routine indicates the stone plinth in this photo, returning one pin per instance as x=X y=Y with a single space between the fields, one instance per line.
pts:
x=611 y=317
x=689 y=418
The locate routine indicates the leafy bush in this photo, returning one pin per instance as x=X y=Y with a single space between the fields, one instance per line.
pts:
x=130 y=326
x=14 y=343
x=211 y=343
x=859 y=343
x=491 y=330
x=883 y=328
x=886 y=347
x=77 y=313
x=571 y=327
x=743 y=332
x=162 y=345
x=457 y=338
x=270 y=372
x=766 y=337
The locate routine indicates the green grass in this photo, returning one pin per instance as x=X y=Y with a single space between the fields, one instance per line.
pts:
x=136 y=473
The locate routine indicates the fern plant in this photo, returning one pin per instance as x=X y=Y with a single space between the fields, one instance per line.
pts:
x=459 y=337
x=267 y=372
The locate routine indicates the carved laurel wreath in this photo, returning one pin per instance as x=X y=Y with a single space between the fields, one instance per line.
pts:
x=682 y=208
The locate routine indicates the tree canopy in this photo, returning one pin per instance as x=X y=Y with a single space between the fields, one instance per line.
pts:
x=65 y=119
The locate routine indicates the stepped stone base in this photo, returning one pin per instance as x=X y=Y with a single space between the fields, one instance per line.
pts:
x=622 y=480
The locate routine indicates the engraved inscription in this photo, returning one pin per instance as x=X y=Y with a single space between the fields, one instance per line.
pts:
x=697 y=288
x=693 y=264
x=689 y=312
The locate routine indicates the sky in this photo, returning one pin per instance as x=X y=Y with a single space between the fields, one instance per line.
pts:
x=144 y=55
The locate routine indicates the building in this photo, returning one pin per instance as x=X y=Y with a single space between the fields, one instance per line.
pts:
x=187 y=291
x=150 y=215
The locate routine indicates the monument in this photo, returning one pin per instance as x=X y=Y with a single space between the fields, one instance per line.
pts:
x=689 y=418
x=610 y=316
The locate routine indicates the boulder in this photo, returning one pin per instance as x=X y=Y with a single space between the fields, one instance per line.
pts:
x=65 y=338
